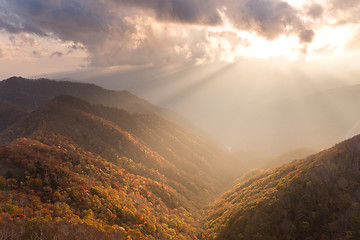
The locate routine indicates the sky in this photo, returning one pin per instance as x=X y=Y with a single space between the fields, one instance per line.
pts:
x=38 y=36
x=207 y=59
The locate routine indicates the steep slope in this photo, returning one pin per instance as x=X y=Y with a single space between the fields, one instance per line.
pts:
x=36 y=93
x=88 y=124
x=10 y=113
x=314 y=198
x=107 y=171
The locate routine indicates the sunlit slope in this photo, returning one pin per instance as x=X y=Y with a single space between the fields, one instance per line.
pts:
x=36 y=93
x=314 y=198
x=102 y=168
x=47 y=190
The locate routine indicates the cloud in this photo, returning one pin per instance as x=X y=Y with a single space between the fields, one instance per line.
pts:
x=185 y=11
x=141 y=43
x=345 y=11
x=56 y=54
x=315 y=11
x=345 y=4
x=76 y=47
x=306 y=36
x=150 y=32
x=9 y=27
x=72 y=20
x=12 y=39
x=1 y=53
x=23 y=39
x=268 y=18
x=354 y=43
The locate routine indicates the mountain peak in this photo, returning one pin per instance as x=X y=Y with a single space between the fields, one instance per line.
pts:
x=14 y=78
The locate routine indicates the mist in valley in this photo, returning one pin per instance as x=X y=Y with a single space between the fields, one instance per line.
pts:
x=179 y=119
x=252 y=75
x=255 y=109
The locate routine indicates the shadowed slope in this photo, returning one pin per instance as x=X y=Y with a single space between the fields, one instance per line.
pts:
x=10 y=113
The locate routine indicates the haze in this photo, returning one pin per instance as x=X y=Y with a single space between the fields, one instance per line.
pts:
x=251 y=73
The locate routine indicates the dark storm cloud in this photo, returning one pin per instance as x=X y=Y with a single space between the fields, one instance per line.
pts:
x=9 y=27
x=186 y=11
x=67 y=19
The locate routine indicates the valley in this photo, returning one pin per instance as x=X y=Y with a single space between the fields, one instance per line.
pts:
x=179 y=120
x=70 y=168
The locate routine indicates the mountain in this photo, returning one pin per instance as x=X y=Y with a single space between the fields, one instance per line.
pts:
x=296 y=153
x=10 y=113
x=314 y=198
x=318 y=121
x=33 y=94
x=71 y=168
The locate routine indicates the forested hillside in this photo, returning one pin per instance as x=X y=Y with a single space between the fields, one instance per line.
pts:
x=314 y=198
x=73 y=165
x=70 y=169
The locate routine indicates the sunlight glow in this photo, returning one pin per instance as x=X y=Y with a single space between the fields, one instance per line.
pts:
x=330 y=40
x=282 y=47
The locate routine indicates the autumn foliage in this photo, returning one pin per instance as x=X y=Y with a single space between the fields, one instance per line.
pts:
x=72 y=168
x=314 y=198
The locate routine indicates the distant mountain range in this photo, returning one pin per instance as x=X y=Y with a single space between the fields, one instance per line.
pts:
x=70 y=169
x=317 y=121
x=33 y=94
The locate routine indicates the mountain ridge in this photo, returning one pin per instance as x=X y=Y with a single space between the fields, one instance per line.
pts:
x=34 y=93
x=107 y=171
